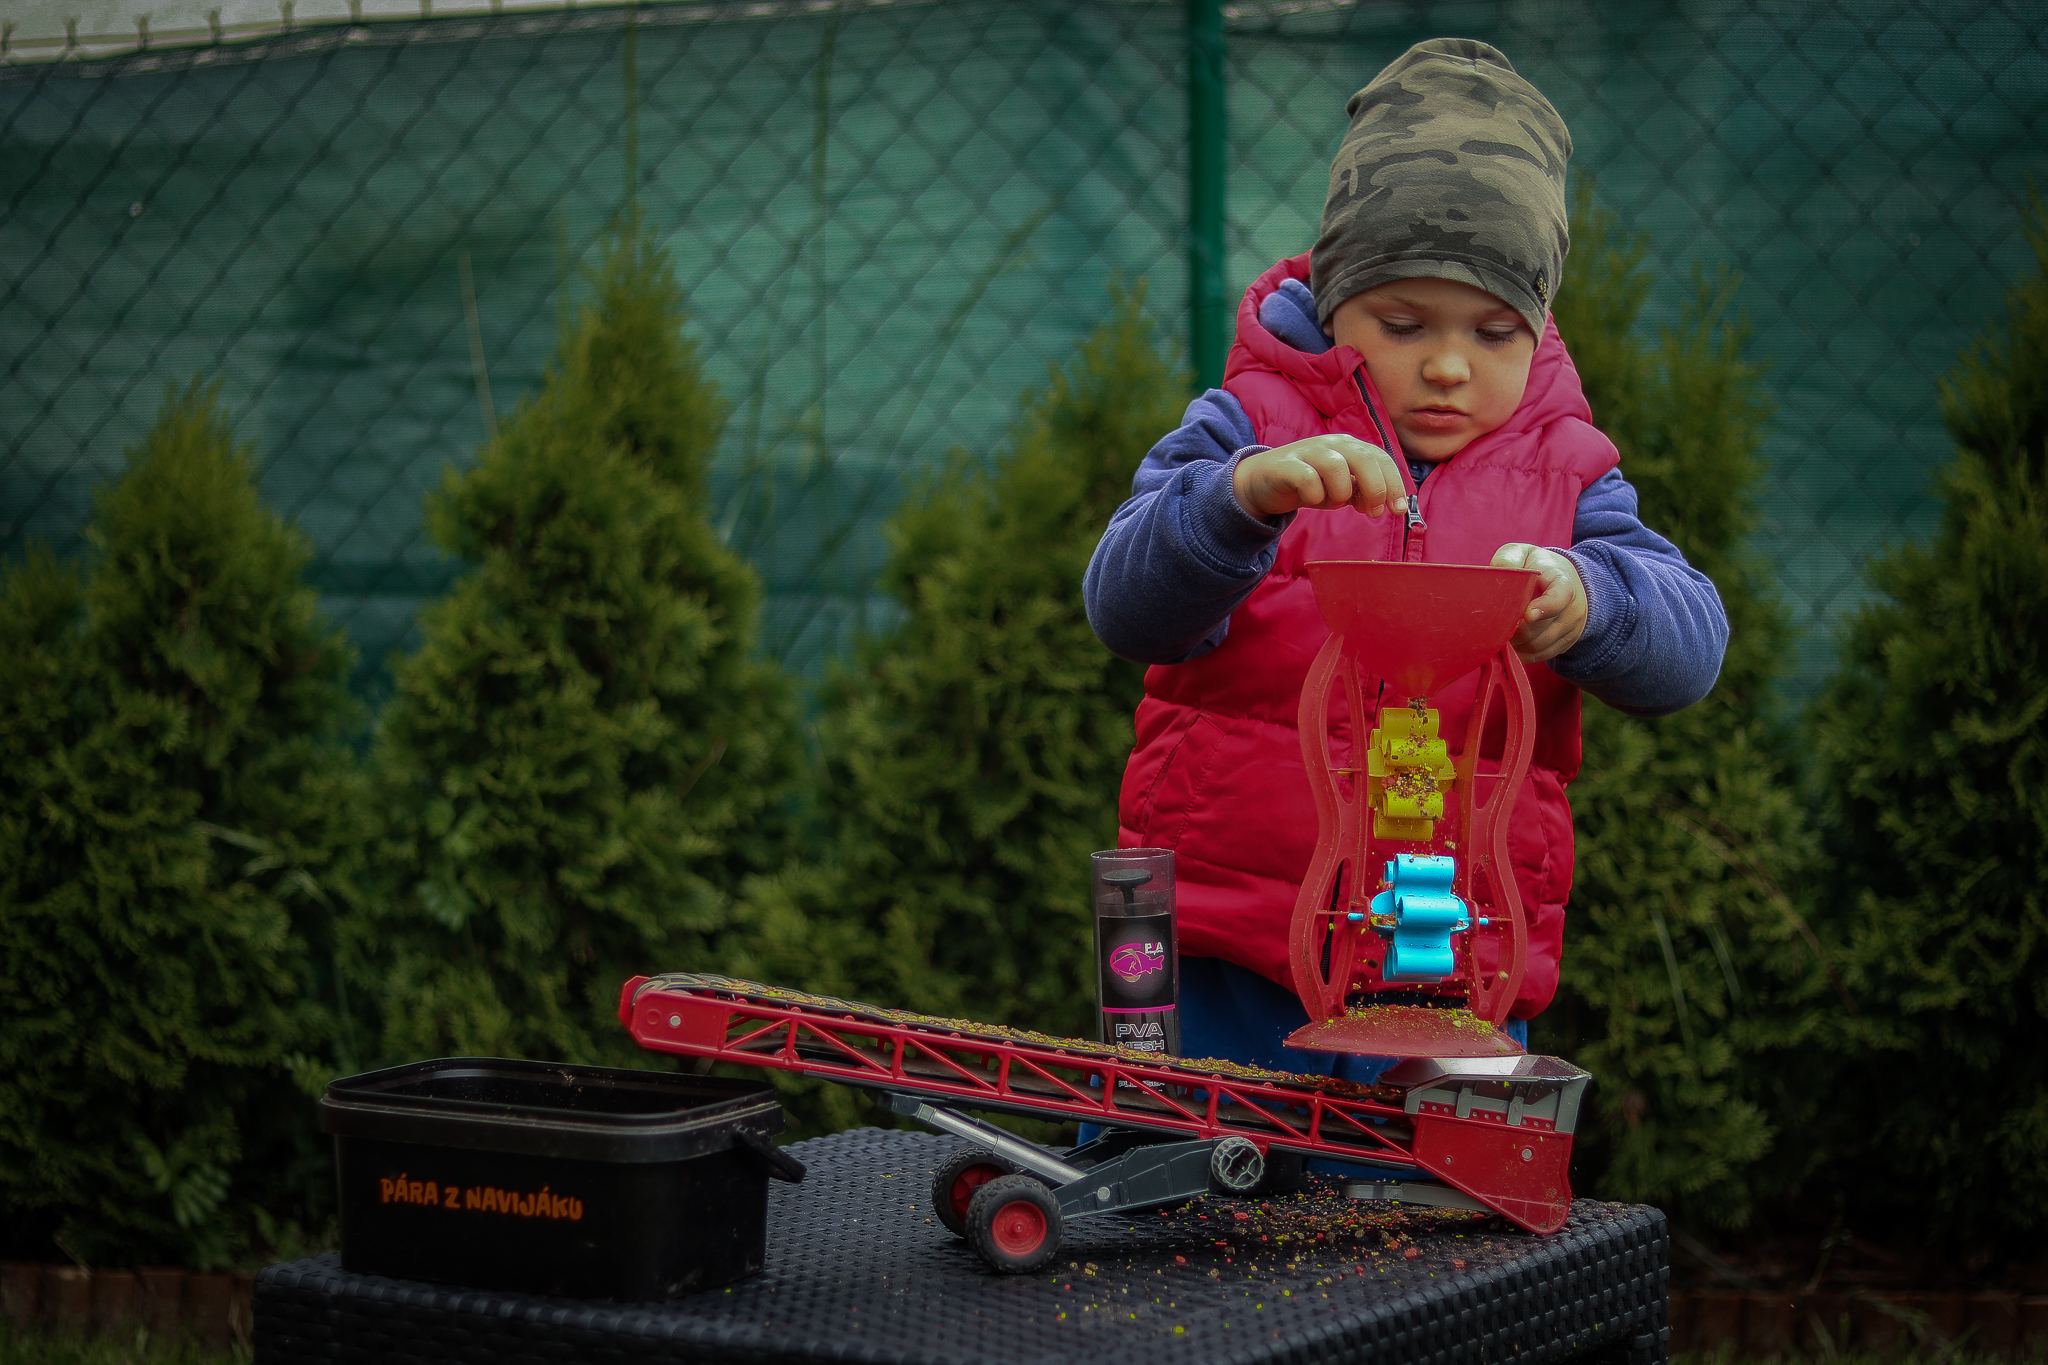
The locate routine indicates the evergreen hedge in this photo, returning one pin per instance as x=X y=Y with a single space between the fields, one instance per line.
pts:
x=584 y=757
x=1690 y=965
x=971 y=756
x=175 y=822
x=585 y=773
x=1933 y=740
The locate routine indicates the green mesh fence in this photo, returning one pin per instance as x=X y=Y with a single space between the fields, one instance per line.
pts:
x=1863 y=166
x=891 y=216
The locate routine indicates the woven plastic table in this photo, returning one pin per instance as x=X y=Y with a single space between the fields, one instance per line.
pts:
x=857 y=1272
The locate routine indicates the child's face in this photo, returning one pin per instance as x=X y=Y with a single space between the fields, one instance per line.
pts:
x=1450 y=359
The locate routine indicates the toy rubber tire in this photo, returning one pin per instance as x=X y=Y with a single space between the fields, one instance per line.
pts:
x=1014 y=1224
x=1236 y=1166
x=966 y=1171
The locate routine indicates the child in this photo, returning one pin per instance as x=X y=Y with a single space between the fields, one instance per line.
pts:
x=1397 y=393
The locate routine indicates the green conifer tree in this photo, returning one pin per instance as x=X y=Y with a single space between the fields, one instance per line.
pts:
x=585 y=755
x=1689 y=964
x=164 y=720
x=972 y=755
x=1934 y=742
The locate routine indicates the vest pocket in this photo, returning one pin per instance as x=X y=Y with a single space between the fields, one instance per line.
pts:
x=1540 y=840
x=1169 y=801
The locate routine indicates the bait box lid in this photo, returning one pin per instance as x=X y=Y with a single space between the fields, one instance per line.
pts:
x=549 y=1109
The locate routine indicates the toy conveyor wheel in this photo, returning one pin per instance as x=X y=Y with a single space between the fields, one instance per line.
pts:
x=966 y=1171
x=1014 y=1224
x=1236 y=1165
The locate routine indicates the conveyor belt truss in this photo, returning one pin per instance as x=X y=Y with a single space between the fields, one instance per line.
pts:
x=1496 y=1128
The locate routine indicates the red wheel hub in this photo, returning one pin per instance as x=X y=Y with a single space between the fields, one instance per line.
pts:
x=964 y=1186
x=1018 y=1228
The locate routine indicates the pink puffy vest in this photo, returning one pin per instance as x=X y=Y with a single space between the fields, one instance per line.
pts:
x=1216 y=774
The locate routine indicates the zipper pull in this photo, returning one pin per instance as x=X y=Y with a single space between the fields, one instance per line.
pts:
x=1412 y=533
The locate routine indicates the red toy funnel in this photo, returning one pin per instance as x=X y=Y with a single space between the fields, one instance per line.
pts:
x=1420 y=626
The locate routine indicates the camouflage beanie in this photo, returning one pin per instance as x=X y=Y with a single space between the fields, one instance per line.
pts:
x=1453 y=168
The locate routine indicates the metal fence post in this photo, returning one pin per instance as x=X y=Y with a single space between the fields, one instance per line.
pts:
x=1209 y=331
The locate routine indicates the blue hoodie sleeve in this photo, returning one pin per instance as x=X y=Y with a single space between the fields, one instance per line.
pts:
x=1181 y=555
x=1655 y=626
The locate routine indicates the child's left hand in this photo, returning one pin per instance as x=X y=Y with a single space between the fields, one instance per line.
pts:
x=1557 y=617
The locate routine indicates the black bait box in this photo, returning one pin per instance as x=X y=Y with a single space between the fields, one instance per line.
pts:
x=554 y=1179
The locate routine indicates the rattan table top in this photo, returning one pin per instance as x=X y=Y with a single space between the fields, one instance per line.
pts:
x=858 y=1270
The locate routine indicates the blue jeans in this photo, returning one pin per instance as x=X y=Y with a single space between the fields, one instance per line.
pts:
x=1230 y=1012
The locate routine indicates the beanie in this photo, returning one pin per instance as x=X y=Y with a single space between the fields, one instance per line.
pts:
x=1453 y=168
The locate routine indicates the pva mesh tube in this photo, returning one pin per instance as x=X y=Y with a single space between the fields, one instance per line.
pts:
x=1137 y=969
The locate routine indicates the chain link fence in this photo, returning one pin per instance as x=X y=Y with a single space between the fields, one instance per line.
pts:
x=1865 y=167
x=890 y=217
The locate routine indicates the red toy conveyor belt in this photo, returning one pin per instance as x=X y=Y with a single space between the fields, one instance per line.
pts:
x=1498 y=1129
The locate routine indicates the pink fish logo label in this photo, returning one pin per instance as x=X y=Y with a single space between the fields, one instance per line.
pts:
x=1135 y=961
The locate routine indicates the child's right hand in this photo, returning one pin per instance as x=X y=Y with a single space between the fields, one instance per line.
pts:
x=1323 y=471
